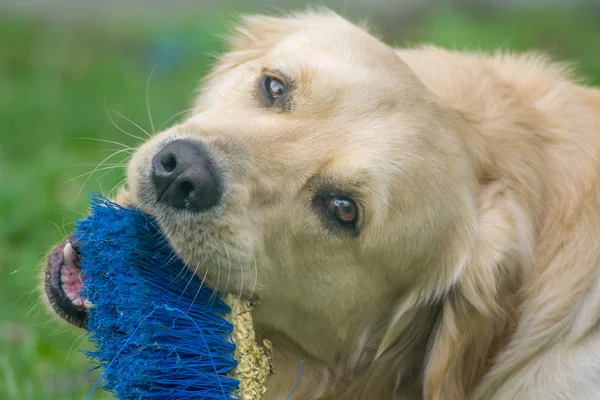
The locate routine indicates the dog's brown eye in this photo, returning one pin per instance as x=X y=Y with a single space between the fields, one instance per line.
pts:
x=343 y=210
x=274 y=88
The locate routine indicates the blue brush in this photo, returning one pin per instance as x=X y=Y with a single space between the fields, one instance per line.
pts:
x=159 y=333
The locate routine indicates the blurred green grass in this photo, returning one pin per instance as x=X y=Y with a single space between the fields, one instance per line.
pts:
x=59 y=83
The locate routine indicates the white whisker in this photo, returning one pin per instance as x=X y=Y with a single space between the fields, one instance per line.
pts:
x=93 y=165
x=241 y=267
x=128 y=151
x=205 y=273
x=122 y=166
x=228 y=266
x=148 y=97
x=255 y=277
x=104 y=141
x=78 y=339
x=109 y=168
x=214 y=294
x=60 y=230
x=95 y=169
x=115 y=124
x=112 y=191
x=173 y=117
x=191 y=279
x=133 y=123
x=201 y=283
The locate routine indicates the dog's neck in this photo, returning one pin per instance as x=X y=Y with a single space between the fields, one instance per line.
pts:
x=389 y=356
x=365 y=368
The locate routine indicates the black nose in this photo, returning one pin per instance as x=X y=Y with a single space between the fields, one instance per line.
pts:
x=184 y=176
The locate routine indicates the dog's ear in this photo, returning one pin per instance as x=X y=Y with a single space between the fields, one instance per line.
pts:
x=479 y=311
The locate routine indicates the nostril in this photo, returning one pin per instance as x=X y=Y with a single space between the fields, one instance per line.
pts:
x=168 y=162
x=186 y=187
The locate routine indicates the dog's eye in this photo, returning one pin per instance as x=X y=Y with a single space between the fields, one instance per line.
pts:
x=338 y=212
x=273 y=87
x=343 y=210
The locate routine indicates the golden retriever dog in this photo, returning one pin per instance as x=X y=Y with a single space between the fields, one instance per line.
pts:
x=413 y=223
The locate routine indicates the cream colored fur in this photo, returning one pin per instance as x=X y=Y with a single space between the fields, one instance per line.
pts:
x=475 y=274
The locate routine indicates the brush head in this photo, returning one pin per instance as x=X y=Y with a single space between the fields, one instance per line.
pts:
x=159 y=332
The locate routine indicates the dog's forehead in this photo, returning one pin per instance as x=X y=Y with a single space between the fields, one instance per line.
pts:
x=343 y=59
x=343 y=42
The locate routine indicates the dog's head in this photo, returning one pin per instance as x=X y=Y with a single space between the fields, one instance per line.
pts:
x=315 y=174
x=318 y=175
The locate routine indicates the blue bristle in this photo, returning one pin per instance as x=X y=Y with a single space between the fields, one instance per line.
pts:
x=159 y=333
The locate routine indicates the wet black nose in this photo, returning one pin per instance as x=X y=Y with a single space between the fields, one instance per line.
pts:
x=184 y=176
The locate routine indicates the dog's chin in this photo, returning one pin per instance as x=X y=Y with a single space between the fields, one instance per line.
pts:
x=222 y=286
x=223 y=289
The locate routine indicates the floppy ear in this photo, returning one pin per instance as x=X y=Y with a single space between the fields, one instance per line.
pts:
x=479 y=312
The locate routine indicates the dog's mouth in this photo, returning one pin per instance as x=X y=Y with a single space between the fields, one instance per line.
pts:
x=63 y=283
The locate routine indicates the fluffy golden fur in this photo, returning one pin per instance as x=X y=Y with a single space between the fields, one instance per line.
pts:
x=475 y=270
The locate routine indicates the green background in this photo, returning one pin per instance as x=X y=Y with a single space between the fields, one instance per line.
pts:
x=74 y=91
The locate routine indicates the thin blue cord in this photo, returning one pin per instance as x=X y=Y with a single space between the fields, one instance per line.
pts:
x=212 y=361
x=118 y=353
x=297 y=380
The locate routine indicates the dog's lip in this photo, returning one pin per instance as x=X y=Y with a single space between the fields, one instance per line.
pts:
x=58 y=299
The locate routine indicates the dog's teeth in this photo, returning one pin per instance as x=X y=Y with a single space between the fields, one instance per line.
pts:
x=64 y=278
x=87 y=304
x=71 y=296
x=68 y=254
x=77 y=302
